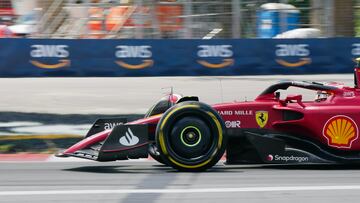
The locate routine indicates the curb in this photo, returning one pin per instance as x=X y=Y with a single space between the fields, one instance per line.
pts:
x=24 y=157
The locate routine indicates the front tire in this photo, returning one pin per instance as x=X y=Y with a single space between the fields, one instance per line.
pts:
x=190 y=137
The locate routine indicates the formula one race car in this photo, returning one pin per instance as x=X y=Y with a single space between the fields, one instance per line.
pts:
x=192 y=136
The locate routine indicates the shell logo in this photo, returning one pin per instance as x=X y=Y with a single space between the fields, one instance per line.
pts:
x=340 y=131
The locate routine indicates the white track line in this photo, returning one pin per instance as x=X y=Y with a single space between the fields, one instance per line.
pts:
x=200 y=190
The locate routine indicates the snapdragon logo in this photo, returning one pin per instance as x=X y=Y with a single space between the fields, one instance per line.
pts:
x=292 y=55
x=129 y=139
x=134 y=57
x=215 y=56
x=291 y=158
x=42 y=55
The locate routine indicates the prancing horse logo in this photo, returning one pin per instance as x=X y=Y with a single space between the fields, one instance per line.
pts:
x=261 y=118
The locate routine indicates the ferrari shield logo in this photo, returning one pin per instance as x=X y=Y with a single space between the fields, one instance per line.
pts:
x=262 y=118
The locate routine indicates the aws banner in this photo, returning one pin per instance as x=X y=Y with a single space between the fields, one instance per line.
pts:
x=88 y=57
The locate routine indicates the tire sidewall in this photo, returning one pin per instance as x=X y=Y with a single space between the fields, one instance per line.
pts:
x=192 y=109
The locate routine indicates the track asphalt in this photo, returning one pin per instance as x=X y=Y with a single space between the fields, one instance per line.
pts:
x=147 y=181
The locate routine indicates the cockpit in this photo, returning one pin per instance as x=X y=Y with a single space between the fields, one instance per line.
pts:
x=322 y=91
x=321 y=96
x=163 y=104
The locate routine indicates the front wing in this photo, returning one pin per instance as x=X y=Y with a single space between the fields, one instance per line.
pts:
x=121 y=143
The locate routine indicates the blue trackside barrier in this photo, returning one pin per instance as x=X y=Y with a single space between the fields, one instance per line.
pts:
x=88 y=57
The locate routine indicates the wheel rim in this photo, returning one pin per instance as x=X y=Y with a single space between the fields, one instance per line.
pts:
x=190 y=136
x=169 y=134
x=191 y=143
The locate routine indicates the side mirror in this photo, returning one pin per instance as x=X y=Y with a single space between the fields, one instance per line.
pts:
x=297 y=98
x=277 y=95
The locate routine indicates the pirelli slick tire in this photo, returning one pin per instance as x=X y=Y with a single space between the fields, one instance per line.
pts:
x=190 y=137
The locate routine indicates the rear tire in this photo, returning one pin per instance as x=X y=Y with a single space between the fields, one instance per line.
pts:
x=190 y=137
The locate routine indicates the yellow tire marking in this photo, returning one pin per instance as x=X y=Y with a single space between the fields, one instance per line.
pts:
x=219 y=128
x=162 y=141
x=161 y=133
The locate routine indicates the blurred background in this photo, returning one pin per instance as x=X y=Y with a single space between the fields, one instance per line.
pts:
x=179 y=19
x=66 y=63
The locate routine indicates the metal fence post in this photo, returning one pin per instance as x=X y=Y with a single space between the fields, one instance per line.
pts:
x=329 y=17
x=236 y=18
x=139 y=31
x=188 y=19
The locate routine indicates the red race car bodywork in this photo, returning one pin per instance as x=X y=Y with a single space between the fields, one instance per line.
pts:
x=266 y=130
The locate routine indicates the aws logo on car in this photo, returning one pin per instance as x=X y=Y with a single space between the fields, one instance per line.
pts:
x=50 y=56
x=292 y=55
x=215 y=56
x=134 y=57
